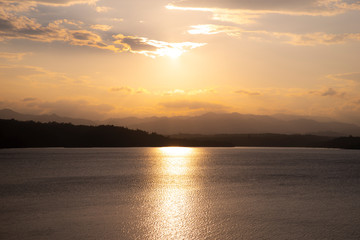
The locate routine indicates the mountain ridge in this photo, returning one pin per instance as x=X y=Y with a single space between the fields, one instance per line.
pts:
x=208 y=123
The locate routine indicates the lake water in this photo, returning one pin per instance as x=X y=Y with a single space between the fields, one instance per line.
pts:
x=180 y=193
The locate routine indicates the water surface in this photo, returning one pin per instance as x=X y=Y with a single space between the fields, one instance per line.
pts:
x=180 y=193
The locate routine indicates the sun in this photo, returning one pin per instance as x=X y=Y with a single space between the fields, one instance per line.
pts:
x=173 y=52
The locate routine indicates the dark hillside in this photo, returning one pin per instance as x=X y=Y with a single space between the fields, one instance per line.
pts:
x=33 y=134
x=17 y=134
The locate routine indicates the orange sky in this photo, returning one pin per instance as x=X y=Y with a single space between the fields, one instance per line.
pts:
x=112 y=58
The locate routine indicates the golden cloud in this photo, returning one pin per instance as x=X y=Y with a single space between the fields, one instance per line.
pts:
x=193 y=105
x=12 y=56
x=192 y=92
x=235 y=10
x=101 y=27
x=153 y=48
x=248 y=93
x=353 y=76
x=309 y=39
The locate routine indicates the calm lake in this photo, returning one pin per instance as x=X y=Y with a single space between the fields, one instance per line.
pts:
x=180 y=193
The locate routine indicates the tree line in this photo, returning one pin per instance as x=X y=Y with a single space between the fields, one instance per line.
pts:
x=25 y=134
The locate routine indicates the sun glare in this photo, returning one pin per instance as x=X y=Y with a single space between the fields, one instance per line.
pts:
x=176 y=160
x=173 y=52
x=173 y=194
x=176 y=151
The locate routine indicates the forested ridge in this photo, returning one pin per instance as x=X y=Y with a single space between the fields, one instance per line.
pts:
x=19 y=134
x=24 y=134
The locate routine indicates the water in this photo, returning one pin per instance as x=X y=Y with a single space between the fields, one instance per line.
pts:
x=180 y=193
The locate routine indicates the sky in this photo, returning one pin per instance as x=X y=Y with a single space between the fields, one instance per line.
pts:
x=101 y=59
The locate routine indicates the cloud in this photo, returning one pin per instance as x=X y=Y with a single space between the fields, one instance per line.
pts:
x=249 y=4
x=329 y=92
x=22 y=27
x=100 y=9
x=101 y=27
x=30 y=99
x=129 y=90
x=12 y=56
x=87 y=38
x=118 y=19
x=192 y=105
x=174 y=92
x=153 y=48
x=210 y=29
x=58 y=2
x=249 y=93
x=289 y=7
x=36 y=79
x=141 y=91
x=13 y=26
x=126 y=90
x=319 y=38
x=191 y=92
x=24 y=71
x=309 y=39
x=354 y=76
x=24 y=6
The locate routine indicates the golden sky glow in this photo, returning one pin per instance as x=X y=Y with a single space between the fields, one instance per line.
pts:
x=104 y=58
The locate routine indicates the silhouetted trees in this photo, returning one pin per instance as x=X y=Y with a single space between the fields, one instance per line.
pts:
x=345 y=142
x=34 y=134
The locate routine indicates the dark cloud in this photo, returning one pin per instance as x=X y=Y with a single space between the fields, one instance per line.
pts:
x=329 y=92
x=136 y=43
x=30 y=99
x=5 y=25
x=82 y=35
x=13 y=26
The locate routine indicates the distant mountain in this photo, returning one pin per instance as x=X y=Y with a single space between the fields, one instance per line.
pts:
x=211 y=123
x=10 y=114
x=235 y=123
x=289 y=117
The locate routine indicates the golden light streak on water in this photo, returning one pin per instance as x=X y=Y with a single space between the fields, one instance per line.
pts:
x=175 y=160
x=174 y=203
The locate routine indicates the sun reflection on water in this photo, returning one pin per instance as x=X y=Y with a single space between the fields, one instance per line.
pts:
x=174 y=196
x=176 y=160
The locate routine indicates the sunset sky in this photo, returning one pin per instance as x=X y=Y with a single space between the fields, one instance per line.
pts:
x=98 y=59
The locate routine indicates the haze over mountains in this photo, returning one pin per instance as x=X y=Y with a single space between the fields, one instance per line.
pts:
x=10 y=114
x=210 y=123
